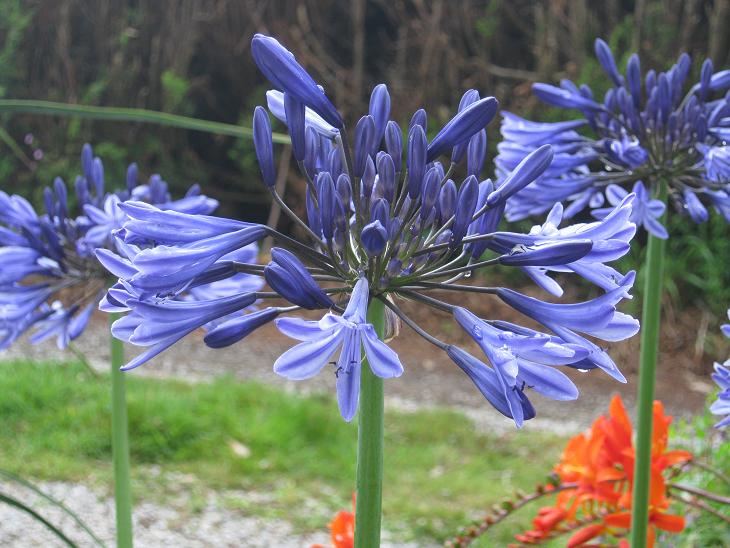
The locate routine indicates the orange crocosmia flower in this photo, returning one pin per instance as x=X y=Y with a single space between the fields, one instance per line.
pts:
x=582 y=536
x=600 y=463
x=548 y=517
x=342 y=529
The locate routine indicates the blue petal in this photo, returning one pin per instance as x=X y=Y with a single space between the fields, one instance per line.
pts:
x=307 y=359
x=383 y=360
x=547 y=381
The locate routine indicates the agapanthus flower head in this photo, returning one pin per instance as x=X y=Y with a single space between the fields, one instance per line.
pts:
x=50 y=279
x=721 y=376
x=645 y=132
x=388 y=219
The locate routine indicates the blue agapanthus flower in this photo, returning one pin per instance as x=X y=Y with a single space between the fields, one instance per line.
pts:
x=385 y=220
x=50 y=278
x=646 y=131
x=721 y=376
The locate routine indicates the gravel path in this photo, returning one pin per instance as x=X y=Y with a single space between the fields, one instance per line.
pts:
x=212 y=520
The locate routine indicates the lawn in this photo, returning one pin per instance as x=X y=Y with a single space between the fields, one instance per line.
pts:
x=226 y=434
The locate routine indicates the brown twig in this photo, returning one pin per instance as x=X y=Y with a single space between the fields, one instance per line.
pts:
x=499 y=512
x=700 y=493
x=696 y=503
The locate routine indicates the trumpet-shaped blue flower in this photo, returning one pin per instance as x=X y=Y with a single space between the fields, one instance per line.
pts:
x=642 y=134
x=387 y=220
x=349 y=333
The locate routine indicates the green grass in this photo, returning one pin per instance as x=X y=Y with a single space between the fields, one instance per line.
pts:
x=439 y=470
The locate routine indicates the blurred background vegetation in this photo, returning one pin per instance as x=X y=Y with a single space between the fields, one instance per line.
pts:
x=192 y=57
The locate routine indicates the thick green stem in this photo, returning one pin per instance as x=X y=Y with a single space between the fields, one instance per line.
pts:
x=370 y=447
x=650 y=321
x=120 y=447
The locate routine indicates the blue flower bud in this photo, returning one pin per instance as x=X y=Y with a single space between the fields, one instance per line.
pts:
x=368 y=179
x=311 y=151
x=633 y=75
x=236 y=329
x=418 y=119
x=694 y=207
x=264 y=146
x=374 y=237
x=394 y=144
x=87 y=162
x=563 y=98
x=288 y=277
x=98 y=178
x=417 y=147
x=447 y=200
x=380 y=211
x=605 y=57
x=470 y=96
x=549 y=254
x=650 y=81
x=379 y=110
x=59 y=188
x=281 y=69
x=531 y=167
x=430 y=191
x=394 y=267
x=313 y=217
x=476 y=153
x=295 y=112
x=326 y=192
x=48 y=202
x=344 y=190
x=386 y=175
x=462 y=126
x=131 y=178
x=364 y=136
x=720 y=80
x=82 y=190
x=334 y=162
x=664 y=97
x=466 y=205
x=705 y=76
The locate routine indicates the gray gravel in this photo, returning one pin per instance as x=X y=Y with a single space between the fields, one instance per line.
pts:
x=210 y=521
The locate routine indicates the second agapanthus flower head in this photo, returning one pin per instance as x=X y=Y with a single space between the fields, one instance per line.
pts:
x=50 y=278
x=387 y=220
x=649 y=131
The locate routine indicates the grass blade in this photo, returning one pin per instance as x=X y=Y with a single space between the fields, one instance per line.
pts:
x=122 y=114
x=28 y=485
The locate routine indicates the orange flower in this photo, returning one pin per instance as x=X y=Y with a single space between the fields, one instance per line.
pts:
x=342 y=529
x=600 y=463
x=582 y=536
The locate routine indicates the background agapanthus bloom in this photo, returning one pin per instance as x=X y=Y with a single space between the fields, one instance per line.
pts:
x=648 y=130
x=381 y=230
x=722 y=377
x=598 y=465
x=51 y=280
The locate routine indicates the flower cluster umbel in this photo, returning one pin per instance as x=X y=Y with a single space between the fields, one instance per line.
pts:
x=596 y=476
x=721 y=376
x=646 y=131
x=386 y=221
x=50 y=279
